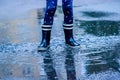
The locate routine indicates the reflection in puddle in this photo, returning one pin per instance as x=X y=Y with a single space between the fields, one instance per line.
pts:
x=48 y=66
x=101 y=28
x=55 y=63
x=70 y=64
x=96 y=61
x=77 y=62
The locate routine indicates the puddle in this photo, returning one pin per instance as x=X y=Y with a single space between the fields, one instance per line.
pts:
x=59 y=62
x=100 y=27
x=98 y=57
x=48 y=66
x=98 y=14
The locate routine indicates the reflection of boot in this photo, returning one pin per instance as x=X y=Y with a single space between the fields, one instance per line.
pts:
x=68 y=31
x=46 y=33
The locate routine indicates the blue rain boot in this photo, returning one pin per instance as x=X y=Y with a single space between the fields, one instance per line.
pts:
x=46 y=33
x=68 y=31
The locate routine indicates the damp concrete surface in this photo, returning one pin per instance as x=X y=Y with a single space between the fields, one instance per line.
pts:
x=96 y=28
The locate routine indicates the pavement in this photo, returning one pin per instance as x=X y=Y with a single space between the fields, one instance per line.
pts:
x=97 y=29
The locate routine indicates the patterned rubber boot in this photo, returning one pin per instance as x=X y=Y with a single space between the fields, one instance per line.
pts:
x=68 y=31
x=46 y=33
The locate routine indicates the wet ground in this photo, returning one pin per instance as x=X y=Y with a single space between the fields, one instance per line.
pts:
x=96 y=28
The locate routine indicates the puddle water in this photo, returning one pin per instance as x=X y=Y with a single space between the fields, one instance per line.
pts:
x=97 y=58
x=101 y=28
x=97 y=14
x=59 y=62
x=49 y=67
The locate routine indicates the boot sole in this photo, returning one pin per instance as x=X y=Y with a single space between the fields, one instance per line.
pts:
x=72 y=46
x=41 y=49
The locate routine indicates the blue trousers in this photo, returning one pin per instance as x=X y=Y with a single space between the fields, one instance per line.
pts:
x=51 y=6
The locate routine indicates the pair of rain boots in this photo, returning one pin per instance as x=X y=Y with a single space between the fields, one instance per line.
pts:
x=46 y=33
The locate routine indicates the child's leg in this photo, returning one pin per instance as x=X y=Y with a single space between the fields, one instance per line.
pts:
x=68 y=23
x=50 y=11
x=68 y=11
x=47 y=25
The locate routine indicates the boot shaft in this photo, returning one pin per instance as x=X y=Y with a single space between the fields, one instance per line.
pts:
x=68 y=34
x=68 y=31
x=46 y=36
x=46 y=33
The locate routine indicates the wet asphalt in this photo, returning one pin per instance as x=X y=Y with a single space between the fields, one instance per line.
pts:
x=96 y=28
